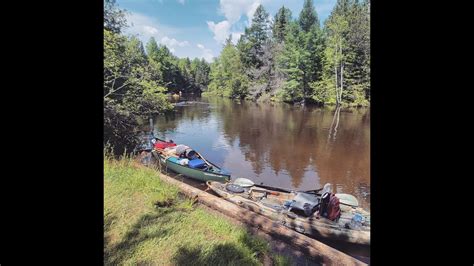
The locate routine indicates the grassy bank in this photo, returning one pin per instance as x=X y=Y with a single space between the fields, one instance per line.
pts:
x=147 y=221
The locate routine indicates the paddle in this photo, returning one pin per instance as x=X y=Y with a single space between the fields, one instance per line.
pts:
x=206 y=160
x=346 y=199
x=244 y=182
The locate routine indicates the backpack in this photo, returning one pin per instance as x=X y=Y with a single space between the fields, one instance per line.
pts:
x=330 y=207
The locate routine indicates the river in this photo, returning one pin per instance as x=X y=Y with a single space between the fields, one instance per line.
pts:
x=292 y=147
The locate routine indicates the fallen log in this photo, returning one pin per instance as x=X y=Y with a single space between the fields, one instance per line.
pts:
x=319 y=251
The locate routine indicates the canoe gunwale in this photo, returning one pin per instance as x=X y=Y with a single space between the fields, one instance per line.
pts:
x=310 y=226
x=226 y=177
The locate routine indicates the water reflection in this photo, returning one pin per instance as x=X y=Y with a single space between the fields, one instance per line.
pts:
x=333 y=128
x=280 y=145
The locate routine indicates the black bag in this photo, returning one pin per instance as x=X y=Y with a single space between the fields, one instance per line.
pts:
x=190 y=154
x=305 y=202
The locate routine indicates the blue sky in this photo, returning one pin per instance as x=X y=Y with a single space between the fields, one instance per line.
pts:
x=198 y=28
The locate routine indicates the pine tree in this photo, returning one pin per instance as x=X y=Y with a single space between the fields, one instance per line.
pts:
x=152 y=49
x=292 y=62
x=282 y=18
x=258 y=34
x=358 y=60
x=308 y=16
x=314 y=47
x=227 y=76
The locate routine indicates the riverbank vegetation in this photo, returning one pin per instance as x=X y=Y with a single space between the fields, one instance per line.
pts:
x=297 y=61
x=136 y=80
x=281 y=59
x=147 y=221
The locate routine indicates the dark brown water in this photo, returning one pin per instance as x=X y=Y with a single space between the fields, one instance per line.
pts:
x=298 y=148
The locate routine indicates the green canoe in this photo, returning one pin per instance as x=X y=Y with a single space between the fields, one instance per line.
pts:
x=210 y=173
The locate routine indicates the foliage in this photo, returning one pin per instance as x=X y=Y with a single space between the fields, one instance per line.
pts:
x=227 y=76
x=130 y=92
x=346 y=58
x=308 y=17
x=257 y=36
x=114 y=18
x=299 y=62
x=281 y=21
x=136 y=82
x=290 y=60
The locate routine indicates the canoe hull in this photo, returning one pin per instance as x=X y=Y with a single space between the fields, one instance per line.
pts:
x=311 y=226
x=196 y=174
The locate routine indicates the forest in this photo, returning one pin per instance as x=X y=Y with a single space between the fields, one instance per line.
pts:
x=277 y=59
x=297 y=60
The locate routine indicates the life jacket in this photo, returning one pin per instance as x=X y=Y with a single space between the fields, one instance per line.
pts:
x=330 y=207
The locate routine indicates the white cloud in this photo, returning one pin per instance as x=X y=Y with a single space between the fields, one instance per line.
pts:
x=181 y=2
x=234 y=9
x=146 y=27
x=251 y=11
x=205 y=53
x=221 y=30
x=173 y=42
x=236 y=37
x=150 y=30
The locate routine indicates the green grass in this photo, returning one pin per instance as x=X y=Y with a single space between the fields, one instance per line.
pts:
x=280 y=260
x=147 y=221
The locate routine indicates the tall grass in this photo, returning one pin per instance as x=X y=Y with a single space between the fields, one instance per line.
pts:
x=147 y=221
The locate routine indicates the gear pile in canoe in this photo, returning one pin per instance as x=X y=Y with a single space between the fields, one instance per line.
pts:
x=324 y=214
x=184 y=160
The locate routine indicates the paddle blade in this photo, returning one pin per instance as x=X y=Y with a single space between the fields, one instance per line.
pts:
x=243 y=182
x=347 y=199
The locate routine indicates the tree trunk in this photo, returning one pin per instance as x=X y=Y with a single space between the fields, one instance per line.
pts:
x=342 y=81
x=335 y=75
x=342 y=70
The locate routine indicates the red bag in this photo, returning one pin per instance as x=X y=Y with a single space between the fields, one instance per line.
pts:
x=334 y=211
x=330 y=207
x=162 y=145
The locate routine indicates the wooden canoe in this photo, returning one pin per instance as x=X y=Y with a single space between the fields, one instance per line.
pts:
x=272 y=206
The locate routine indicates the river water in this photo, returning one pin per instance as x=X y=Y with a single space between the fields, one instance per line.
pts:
x=292 y=147
x=299 y=148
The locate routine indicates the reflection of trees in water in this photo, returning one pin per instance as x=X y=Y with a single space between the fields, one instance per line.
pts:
x=271 y=134
x=333 y=127
x=292 y=139
x=346 y=159
x=170 y=121
x=288 y=139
